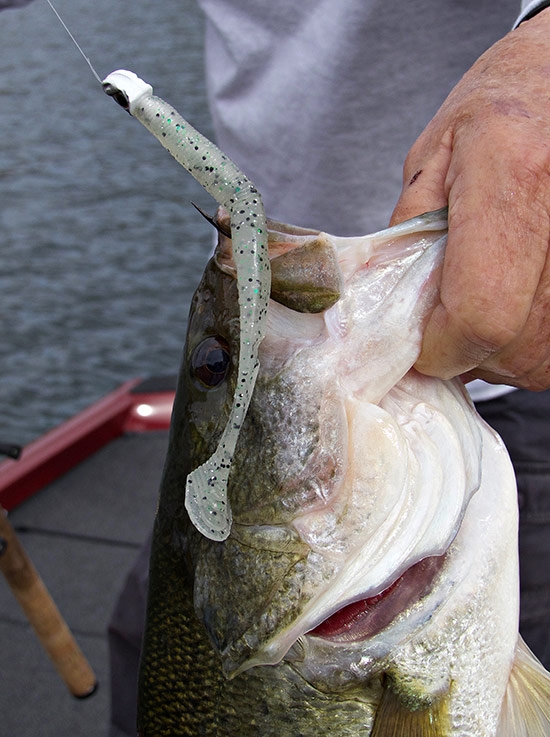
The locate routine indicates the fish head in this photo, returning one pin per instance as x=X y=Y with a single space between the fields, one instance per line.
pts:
x=359 y=489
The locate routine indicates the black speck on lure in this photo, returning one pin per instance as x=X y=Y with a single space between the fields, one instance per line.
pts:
x=206 y=488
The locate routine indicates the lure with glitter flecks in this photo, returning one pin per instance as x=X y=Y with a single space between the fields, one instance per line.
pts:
x=206 y=488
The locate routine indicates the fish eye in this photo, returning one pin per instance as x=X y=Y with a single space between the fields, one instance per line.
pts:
x=211 y=361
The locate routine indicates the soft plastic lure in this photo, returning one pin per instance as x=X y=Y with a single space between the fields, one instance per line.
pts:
x=206 y=487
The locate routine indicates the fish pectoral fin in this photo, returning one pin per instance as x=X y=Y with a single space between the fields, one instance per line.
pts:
x=394 y=718
x=526 y=705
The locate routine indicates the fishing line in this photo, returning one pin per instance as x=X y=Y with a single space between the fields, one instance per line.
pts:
x=73 y=39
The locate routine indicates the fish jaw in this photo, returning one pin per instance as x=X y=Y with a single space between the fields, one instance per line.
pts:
x=384 y=517
x=457 y=634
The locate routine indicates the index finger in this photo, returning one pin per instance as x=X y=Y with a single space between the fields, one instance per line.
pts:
x=498 y=237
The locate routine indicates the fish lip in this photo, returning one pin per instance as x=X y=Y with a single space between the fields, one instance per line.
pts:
x=272 y=653
x=367 y=616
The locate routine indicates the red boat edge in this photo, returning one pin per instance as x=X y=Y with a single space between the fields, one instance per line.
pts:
x=136 y=406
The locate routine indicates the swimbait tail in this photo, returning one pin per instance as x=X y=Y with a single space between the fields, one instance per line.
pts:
x=206 y=487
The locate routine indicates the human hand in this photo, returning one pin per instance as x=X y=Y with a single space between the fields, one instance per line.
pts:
x=486 y=154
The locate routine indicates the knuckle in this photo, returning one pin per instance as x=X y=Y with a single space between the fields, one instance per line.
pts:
x=531 y=171
x=524 y=148
x=490 y=333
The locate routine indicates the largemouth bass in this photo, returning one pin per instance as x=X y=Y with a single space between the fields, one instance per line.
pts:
x=369 y=584
x=363 y=579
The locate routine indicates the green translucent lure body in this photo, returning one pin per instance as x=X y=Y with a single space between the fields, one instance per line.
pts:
x=206 y=487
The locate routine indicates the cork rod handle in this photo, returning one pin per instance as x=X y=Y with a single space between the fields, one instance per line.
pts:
x=42 y=613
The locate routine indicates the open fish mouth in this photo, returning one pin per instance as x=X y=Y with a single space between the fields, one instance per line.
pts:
x=381 y=554
x=367 y=617
x=400 y=607
x=374 y=532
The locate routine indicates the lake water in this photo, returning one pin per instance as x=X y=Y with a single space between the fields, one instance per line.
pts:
x=100 y=247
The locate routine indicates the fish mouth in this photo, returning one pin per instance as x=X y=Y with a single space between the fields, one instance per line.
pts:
x=364 y=618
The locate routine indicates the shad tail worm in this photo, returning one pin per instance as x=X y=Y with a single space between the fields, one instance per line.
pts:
x=206 y=487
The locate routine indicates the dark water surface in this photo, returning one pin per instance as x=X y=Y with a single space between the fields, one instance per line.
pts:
x=100 y=250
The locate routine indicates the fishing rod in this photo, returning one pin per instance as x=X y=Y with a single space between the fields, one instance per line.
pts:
x=73 y=39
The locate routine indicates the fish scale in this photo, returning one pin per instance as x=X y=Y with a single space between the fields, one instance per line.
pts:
x=259 y=701
x=176 y=652
x=183 y=692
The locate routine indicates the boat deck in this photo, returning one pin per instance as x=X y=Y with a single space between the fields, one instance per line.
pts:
x=82 y=532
